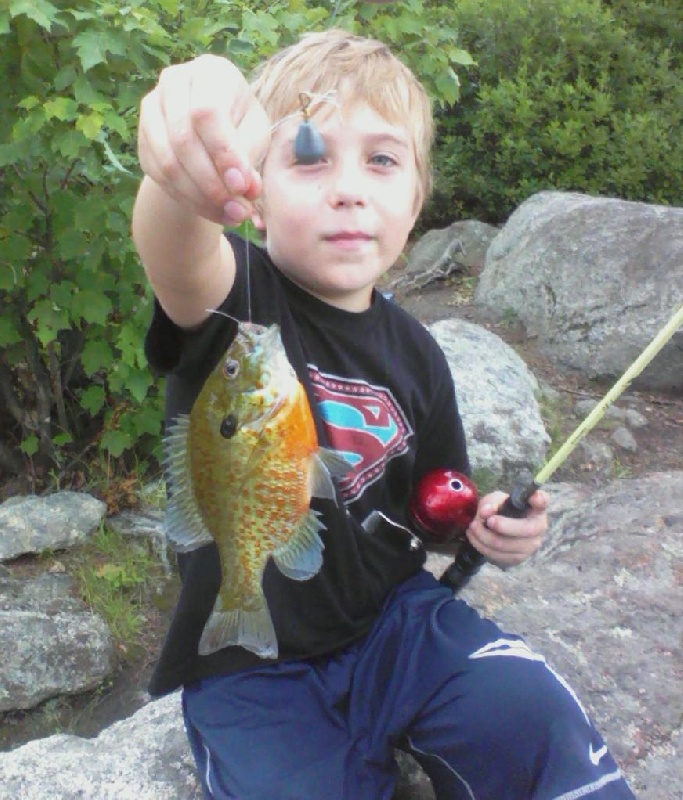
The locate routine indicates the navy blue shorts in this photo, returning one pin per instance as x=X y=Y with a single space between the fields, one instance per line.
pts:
x=483 y=714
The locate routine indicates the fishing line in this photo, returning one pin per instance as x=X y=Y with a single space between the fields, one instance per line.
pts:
x=248 y=242
x=221 y=314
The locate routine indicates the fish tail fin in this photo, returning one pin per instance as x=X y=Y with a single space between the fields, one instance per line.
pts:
x=302 y=557
x=252 y=629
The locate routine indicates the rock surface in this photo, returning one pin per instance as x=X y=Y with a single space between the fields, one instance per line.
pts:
x=443 y=252
x=497 y=396
x=594 y=278
x=51 y=643
x=601 y=601
x=34 y=524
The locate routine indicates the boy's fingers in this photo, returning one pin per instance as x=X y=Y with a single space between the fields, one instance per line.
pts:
x=231 y=125
x=182 y=116
x=159 y=160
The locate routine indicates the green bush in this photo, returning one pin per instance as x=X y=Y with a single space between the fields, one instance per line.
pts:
x=565 y=95
x=73 y=380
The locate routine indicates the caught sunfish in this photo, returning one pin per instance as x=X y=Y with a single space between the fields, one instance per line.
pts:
x=244 y=465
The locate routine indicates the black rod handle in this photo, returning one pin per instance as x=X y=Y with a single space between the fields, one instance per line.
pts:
x=469 y=560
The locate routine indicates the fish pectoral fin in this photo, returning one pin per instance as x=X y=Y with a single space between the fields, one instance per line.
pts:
x=327 y=464
x=251 y=629
x=302 y=556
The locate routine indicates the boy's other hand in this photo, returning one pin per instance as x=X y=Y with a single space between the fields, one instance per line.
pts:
x=506 y=541
x=200 y=132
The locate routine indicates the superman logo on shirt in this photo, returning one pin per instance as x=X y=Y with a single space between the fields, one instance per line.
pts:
x=364 y=423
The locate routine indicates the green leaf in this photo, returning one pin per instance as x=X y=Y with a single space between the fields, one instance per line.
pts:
x=116 y=442
x=62 y=108
x=96 y=355
x=91 y=46
x=40 y=11
x=91 y=305
x=92 y=399
x=30 y=445
x=71 y=243
x=49 y=319
x=29 y=102
x=90 y=125
x=11 y=153
x=149 y=419
x=138 y=384
x=9 y=333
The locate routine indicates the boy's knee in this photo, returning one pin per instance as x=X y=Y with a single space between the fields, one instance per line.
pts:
x=522 y=693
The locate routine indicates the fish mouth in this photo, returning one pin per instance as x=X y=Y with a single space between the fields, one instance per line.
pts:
x=260 y=335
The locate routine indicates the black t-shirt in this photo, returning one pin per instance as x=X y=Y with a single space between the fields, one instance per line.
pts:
x=381 y=392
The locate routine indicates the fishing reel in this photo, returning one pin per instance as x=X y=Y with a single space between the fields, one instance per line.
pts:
x=442 y=506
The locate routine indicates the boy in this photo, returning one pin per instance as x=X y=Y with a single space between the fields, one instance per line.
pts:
x=373 y=652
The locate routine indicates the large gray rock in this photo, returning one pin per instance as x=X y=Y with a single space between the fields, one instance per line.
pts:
x=34 y=524
x=497 y=401
x=146 y=757
x=51 y=643
x=594 y=279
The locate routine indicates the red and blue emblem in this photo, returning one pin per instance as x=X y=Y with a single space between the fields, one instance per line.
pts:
x=364 y=423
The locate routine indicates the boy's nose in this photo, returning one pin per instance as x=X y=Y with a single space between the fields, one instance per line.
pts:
x=348 y=189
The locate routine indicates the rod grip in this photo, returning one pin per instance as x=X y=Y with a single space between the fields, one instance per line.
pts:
x=469 y=560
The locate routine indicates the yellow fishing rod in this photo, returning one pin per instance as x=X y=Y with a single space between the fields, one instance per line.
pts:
x=469 y=559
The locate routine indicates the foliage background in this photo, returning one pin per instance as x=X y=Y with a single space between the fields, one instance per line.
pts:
x=74 y=386
x=580 y=95
x=574 y=94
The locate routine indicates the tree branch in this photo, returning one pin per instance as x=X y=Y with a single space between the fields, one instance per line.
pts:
x=10 y=396
x=9 y=460
x=43 y=399
x=57 y=388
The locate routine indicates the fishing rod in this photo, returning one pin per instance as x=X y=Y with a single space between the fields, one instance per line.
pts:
x=469 y=559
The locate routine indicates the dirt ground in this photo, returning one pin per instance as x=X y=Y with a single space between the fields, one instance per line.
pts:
x=659 y=448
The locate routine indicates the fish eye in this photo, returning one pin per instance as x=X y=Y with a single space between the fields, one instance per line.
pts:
x=231 y=368
x=229 y=426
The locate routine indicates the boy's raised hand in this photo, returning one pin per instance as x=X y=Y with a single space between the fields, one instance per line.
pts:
x=200 y=132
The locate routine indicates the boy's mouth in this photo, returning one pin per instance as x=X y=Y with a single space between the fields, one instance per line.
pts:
x=348 y=236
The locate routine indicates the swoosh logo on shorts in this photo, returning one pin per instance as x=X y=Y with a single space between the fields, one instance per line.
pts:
x=596 y=755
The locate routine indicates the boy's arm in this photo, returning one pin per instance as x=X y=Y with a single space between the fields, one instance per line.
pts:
x=188 y=261
x=194 y=126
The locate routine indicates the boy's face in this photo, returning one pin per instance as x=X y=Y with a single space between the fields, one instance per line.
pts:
x=335 y=226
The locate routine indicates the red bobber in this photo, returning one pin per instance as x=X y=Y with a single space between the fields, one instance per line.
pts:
x=443 y=504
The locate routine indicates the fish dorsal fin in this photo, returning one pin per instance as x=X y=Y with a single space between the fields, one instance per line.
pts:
x=184 y=526
x=325 y=465
x=302 y=556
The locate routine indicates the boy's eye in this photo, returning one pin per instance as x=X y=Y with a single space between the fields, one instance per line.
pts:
x=383 y=160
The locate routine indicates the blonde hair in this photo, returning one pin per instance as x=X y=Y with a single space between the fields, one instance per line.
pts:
x=366 y=70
